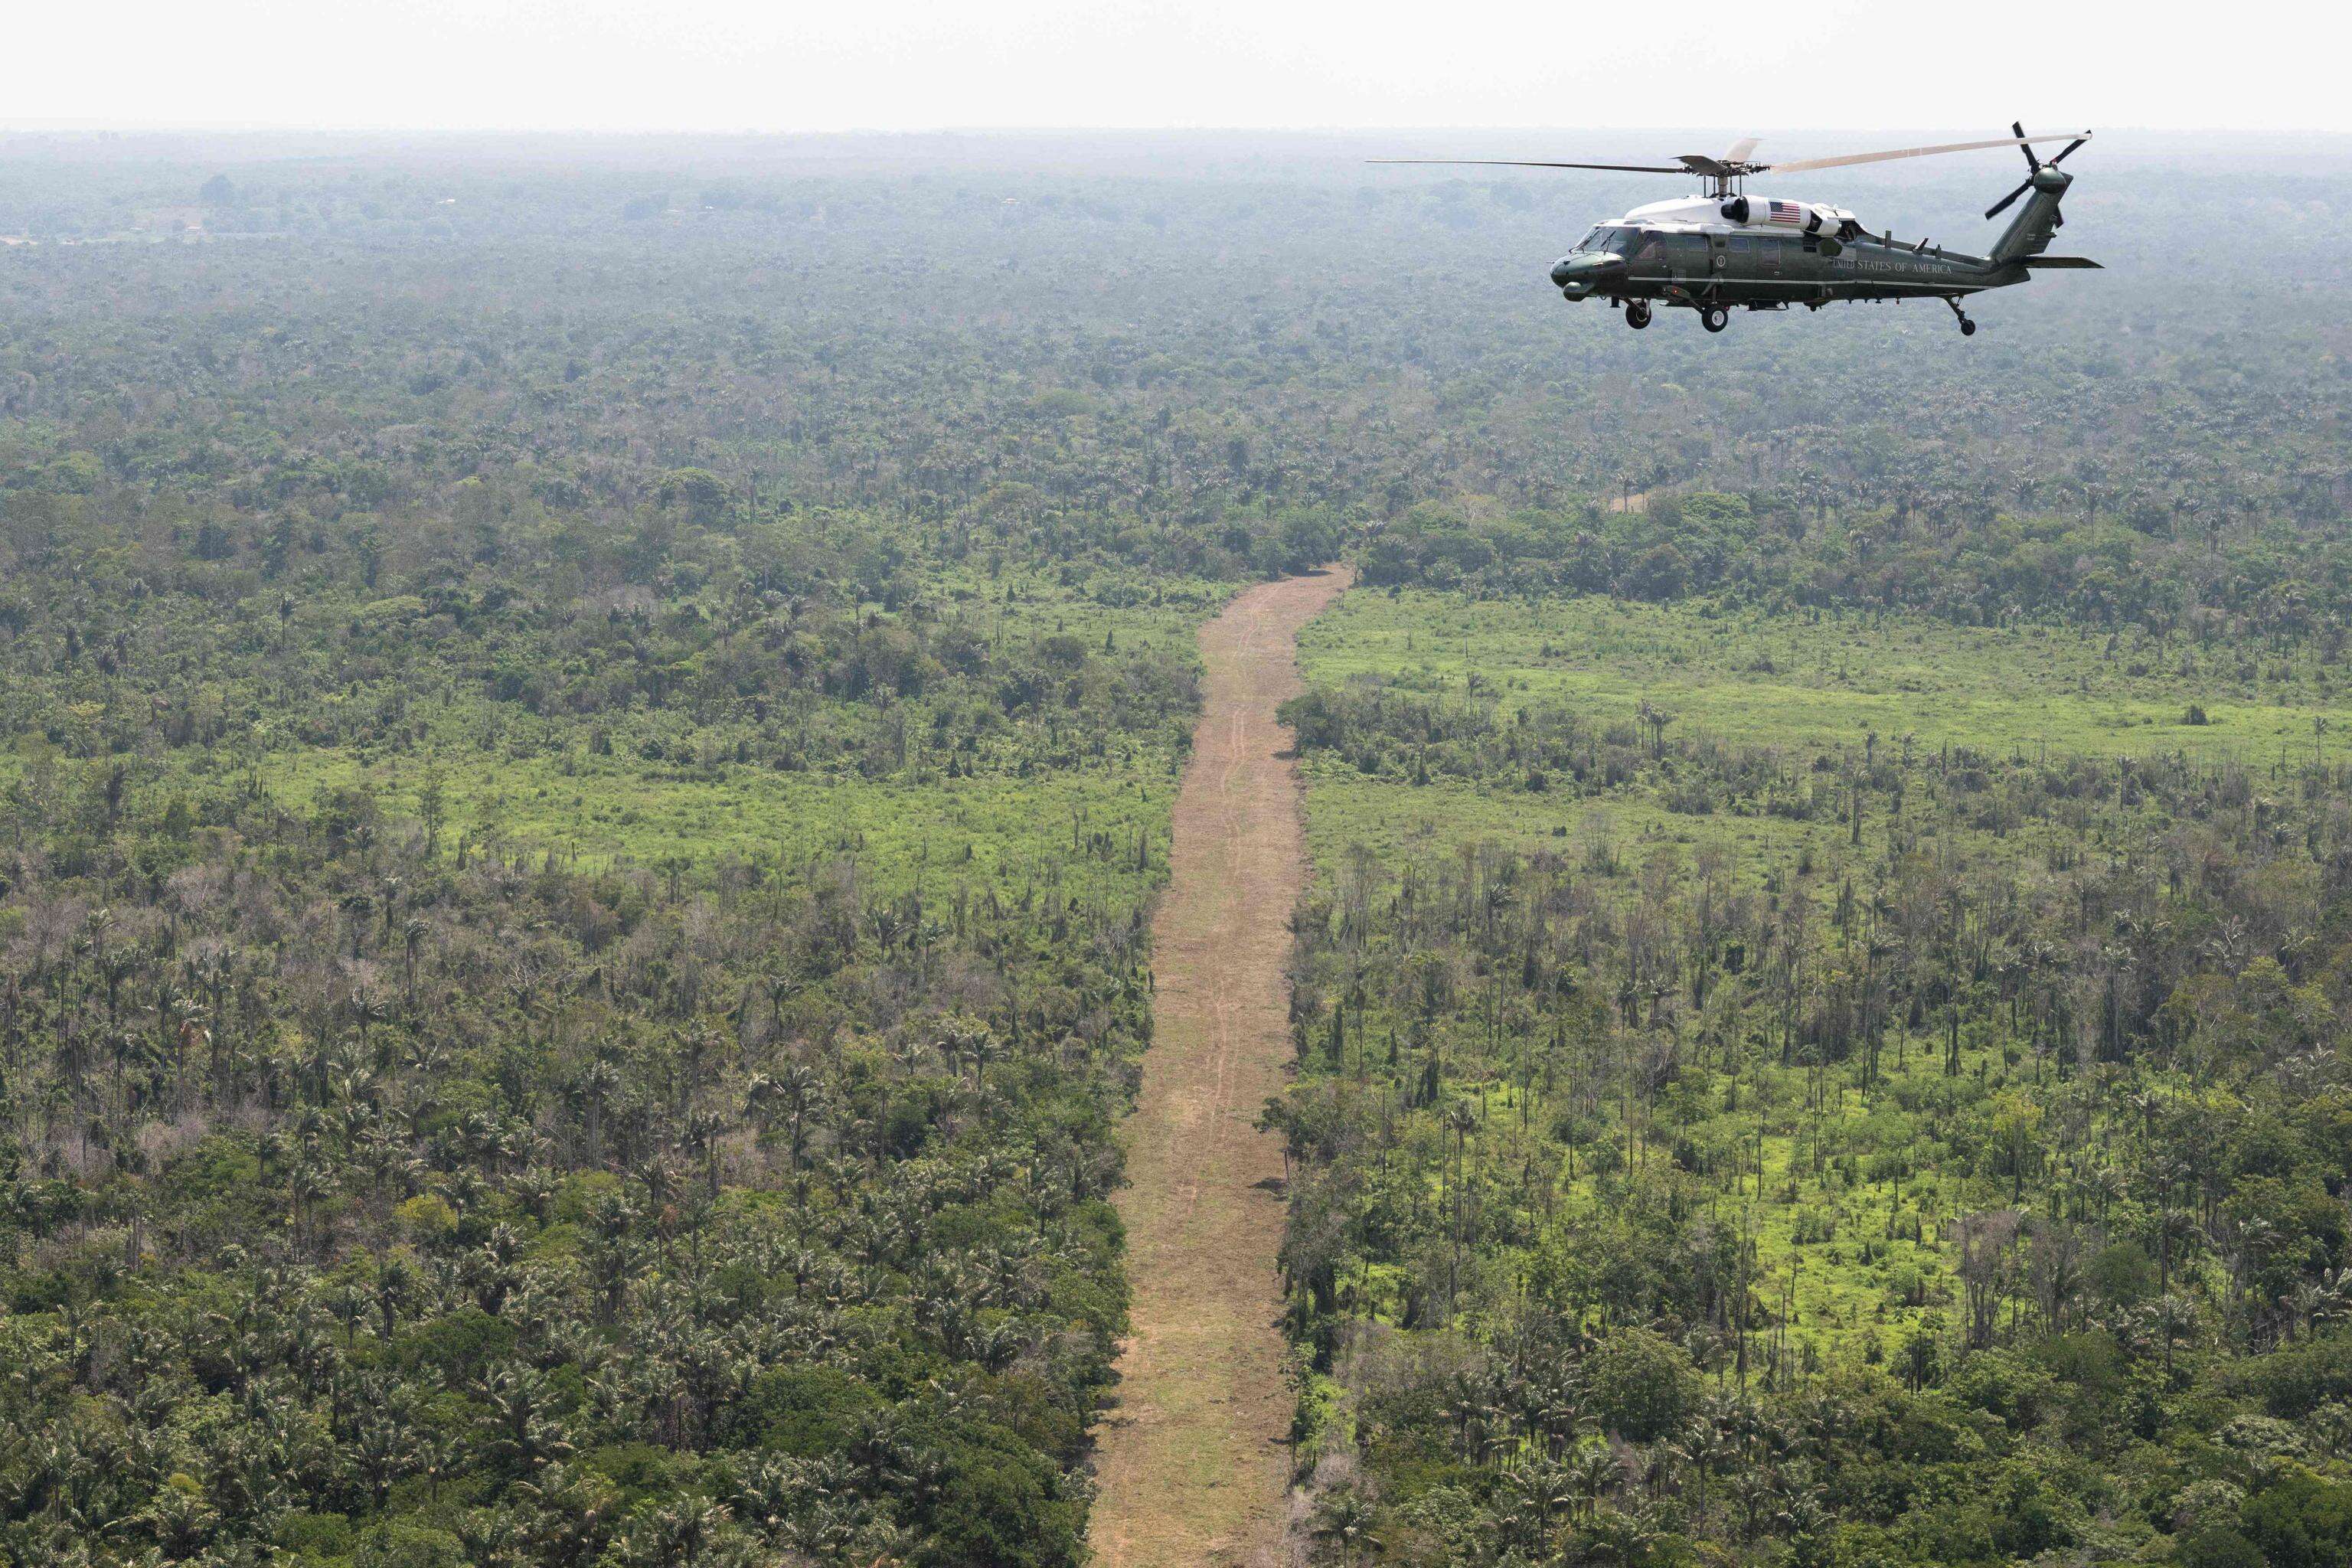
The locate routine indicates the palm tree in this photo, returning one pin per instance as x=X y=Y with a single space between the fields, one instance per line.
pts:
x=1801 y=1515
x=1592 y=1474
x=1461 y=1119
x=797 y=1090
x=597 y=1087
x=569 y=1516
x=307 y=1184
x=369 y=1009
x=381 y=1451
x=961 y=1040
x=395 y=1289
x=1613 y=1536
x=781 y=988
x=350 y=1304
x=413 y=932
x=1702 y=1449
x=1532 y=1496
x=693 y=1532
x=1346 y=1519
x=522 y=1434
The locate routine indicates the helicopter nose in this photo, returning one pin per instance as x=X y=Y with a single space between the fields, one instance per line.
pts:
x=1579 y=275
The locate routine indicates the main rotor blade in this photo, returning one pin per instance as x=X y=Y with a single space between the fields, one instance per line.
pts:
x=1740 y=151
x=1917 y=153
x=1529 y=163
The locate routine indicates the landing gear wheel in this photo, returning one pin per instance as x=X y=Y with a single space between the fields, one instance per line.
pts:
x=1968 y=328
x=1637 y=314
x=1714 y=318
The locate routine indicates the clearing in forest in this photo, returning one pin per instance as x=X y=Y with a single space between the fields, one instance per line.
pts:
x=1192 y=1466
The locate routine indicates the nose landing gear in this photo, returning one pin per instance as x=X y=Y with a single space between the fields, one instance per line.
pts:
x=1968 y=328
x=1637 y=313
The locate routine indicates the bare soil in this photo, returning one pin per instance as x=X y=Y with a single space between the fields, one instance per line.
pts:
x=1190 y=1462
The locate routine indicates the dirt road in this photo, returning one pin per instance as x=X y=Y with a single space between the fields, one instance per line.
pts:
x=1190 y=1463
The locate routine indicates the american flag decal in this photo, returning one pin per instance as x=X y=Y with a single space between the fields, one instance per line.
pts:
x=1785 y=212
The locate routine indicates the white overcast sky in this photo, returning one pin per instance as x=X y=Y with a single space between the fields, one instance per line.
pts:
x=906 y=65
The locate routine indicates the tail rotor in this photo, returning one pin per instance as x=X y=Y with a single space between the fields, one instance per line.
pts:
x=2033 y=166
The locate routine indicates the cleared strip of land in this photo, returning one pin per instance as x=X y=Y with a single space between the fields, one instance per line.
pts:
x=1191 y=1463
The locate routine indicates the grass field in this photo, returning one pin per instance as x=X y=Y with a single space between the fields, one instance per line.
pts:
x=1749 y=676
x=1036 y=790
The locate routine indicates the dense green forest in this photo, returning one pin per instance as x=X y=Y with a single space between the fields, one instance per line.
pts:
x=1956 y=1177
x=586 y=733
x=393 y=1181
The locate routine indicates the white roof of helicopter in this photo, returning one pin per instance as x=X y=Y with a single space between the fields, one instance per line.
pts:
x=1765 y=215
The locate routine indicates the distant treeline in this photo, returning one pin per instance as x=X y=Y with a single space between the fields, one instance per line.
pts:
x=2202 y=576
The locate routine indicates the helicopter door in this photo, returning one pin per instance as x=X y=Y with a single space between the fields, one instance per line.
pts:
x=1686 y=257
x=1718 y=254
x=1747 y=268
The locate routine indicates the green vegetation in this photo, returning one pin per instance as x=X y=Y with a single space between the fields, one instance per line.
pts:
x=1751 y=676
x=496 y=1074
x=1731 y=1132
x=585 y=738
x=553 y=1010
x=2205 y=570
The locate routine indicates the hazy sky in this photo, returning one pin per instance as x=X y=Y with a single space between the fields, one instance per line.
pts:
x=741 y=65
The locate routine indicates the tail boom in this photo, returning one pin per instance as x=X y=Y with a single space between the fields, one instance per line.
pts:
x=2029 y=232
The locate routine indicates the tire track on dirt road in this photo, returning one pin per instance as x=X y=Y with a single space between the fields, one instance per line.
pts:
x=1190 y=1464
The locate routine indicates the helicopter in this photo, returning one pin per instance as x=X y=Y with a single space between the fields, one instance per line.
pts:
x=1723 y=248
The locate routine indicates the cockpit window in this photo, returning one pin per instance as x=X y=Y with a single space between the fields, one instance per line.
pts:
x=1592 y=241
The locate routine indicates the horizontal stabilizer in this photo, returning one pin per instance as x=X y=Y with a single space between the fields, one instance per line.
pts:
x=2040 y=261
